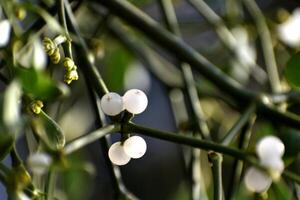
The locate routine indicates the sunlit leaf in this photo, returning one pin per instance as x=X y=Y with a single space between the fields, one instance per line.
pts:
x=38 y=85
x=49 y=131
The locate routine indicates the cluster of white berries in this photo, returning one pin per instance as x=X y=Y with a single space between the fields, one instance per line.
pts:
x=269 y=150
x=134 y=101
x=120 y=153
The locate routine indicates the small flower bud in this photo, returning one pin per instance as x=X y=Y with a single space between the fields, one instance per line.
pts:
x=71 y=76
x=20 y=13
x=49 y=46
x=36 y=106
x=55 y=57
x=69 y=64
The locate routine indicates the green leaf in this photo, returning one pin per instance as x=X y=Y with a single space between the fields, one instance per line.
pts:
x=49 y=131
x=39 y=85
x=280 y=191
x=6 y=143
x=292 y=71
x=291 y=139
x=117 y=60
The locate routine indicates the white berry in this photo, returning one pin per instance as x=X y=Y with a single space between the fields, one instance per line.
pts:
x=5 y=28
x=135 y=147
x=256 y=180
x=269 y=146
x=112 y=104
x=39 y=163
x=117 y=154
x=135 y=101
x=275 y=166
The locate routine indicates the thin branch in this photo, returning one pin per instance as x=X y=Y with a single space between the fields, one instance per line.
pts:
x=89 y=69
x=216 y=160
x=62 y=18
x=237 y=167
x=267 y=46
x=174 y=44
x=192 y=95
x=222 y=31
x=91 y=137
x=239 y=124
x=187 y=140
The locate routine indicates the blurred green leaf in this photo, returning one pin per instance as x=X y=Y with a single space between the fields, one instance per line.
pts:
x=77 y=179
x=117 y=59
x=49 y=131
x=292 y=71
x=280 y=191
x=39 y=85
x=291 y=139
x=6 y=143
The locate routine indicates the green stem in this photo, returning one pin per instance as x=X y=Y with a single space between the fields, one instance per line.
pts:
x=176 y=45
x=187 y=140
x=62 y=18
x=267 y=46
x=192 y=95
x=239 y=124
x=216 y=160
x=91 y=137
x=15 y=158
x=170 y=19
x=222 y=31
x=88 y=68
x=50 y=185
x=202 y=144
x=237 y=166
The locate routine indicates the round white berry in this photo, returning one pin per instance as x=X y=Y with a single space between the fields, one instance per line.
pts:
x=269 y=146
x=273 y=163
x=275 y=166
x=135 y=147
x=135 y=101
x=112 y=104
x=39 y=163
x=256 y=180
x=117 y=155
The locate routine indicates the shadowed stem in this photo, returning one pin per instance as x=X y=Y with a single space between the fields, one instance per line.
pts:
x=267 y=46
x=91 y=137
x=170 y=20
x=246 y=115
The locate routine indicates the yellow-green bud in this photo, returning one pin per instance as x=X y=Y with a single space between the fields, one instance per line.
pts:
x=69 y=64
x=55 y=57
x=36 y=106
x=71 y=76
x=49 y=46
x=20 y=13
